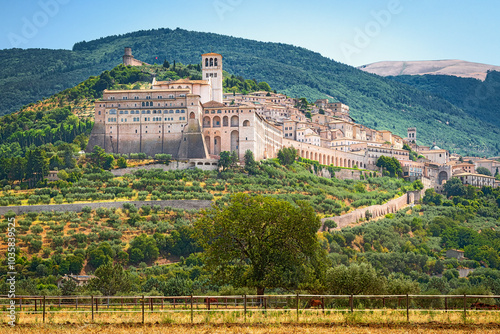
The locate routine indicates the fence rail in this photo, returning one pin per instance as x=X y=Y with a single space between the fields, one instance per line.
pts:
x=45 y=305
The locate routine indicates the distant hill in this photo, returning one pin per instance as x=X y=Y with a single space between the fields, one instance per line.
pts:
x=478 y=98
x=458 y=68
x=381 y=103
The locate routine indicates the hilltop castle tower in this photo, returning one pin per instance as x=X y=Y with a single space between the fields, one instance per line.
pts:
x=212 y=72
x=128 y=59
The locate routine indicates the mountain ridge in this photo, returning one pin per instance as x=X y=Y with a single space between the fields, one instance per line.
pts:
x=453 y=67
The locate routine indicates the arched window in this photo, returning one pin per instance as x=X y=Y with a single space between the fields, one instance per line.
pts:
x=211 y=62
x=206 y=62
x=234 y=121
x=246 y=123
x=215 y=62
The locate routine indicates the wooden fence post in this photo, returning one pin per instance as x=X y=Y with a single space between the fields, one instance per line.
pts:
x=92 y=303
x=191 y=308
x=43 y=309
x=76 y=302
x=446 y=304
x=407 y=308
x=35 y=305
x=297 y=307
x=465 y=307
x=351 y=303
x=245 y=306
x=143 y=310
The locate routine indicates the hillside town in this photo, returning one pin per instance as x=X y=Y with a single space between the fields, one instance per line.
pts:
x=194 y=120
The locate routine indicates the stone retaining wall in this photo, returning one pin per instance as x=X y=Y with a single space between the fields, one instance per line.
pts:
x=203 y=164
x=177 y=204
x=376 y=210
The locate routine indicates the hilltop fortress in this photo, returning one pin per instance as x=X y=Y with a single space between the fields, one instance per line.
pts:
x=194 y=121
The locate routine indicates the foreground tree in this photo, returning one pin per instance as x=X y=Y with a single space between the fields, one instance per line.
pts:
x=260 y=242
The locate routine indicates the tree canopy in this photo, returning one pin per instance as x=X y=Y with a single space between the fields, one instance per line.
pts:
x=258 y=241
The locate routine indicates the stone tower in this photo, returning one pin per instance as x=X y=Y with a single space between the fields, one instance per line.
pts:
x=212 y=72
x=412 y=135
x=127 y=57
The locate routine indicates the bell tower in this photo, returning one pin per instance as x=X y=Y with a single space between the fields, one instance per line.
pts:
x=212 y=72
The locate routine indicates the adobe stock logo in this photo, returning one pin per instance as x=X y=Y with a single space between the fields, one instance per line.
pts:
x=373 y=28
x=31 y=26
x=223 y=6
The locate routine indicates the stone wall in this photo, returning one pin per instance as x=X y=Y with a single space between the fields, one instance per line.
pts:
x=203 y=164
x=177 y=204
x=392 y=206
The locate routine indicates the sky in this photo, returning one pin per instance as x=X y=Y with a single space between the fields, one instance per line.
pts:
x=355 y=32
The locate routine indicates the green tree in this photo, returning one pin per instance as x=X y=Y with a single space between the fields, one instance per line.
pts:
x=99 y=158
x=147 y=245
x=287 y=156
x=431 y=197
x=110 y=279
x=483 y=170
x=264 y=86
x=390 y=164
x=454 y=187
x=418 y=185
x=225 y=160
x=121 y=162
x=258 y=241
x=356 y=279
x=37 y=166
x=68 y=287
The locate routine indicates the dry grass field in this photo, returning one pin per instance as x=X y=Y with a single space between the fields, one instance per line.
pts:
x=255 y=329
x=374 y=322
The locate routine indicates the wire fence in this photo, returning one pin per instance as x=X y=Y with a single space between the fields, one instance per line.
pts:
x=42 y=306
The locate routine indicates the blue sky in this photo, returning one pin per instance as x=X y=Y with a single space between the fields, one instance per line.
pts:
x=354 y=32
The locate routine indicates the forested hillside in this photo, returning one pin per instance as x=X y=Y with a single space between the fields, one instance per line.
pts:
x=374 y=101
x=478 y=98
